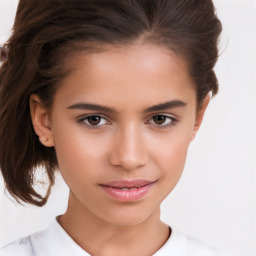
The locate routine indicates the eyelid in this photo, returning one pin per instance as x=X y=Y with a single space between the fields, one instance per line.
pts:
x=81 y=119
x=174 y=120
x=173 y=116
x=84 y=116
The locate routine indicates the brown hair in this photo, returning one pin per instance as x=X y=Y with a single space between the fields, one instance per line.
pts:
x=46 y=32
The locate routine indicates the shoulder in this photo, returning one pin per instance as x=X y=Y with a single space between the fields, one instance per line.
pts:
x=196 y=247
x=182 y=245
x=52 y=241
x=26 y=246
x=21 y=247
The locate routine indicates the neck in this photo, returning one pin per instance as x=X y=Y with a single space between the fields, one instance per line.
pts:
x=101 y=238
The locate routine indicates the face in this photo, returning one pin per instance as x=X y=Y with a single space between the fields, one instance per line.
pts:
x=121 y=124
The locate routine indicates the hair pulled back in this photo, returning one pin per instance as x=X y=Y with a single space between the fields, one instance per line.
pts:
x=46 y=32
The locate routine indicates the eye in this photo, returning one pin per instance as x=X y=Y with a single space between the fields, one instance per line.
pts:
x=93 y=121
x=162 y=121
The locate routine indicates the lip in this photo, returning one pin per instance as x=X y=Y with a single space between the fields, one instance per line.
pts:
x=127 y=190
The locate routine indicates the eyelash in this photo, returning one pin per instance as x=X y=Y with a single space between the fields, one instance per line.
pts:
x=173 y=121
x=81 y=120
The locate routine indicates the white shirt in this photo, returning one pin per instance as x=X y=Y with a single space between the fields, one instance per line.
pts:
x=54 y=241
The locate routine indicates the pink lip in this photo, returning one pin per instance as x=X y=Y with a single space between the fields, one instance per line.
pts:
x=127 y=190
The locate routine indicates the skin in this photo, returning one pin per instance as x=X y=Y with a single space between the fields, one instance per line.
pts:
x=127 y=143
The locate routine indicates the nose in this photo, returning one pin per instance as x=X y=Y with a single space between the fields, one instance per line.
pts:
x=128 y=150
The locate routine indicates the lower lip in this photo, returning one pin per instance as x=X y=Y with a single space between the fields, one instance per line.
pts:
x=127 y=195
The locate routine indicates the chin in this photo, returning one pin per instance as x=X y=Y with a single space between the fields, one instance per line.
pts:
x=129 y=217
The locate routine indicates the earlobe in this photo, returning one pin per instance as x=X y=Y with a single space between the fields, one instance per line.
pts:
x=200 y=116
x=46 y=141
x=40 y=120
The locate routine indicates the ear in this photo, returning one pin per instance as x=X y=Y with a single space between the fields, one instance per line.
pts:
x=200 y=116
x=41 y=121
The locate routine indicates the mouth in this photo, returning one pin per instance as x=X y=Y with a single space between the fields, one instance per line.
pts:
x=127 y=190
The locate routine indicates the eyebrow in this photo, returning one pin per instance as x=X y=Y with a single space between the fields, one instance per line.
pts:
x=158 y=107
x=90 y=106
x=166 y=105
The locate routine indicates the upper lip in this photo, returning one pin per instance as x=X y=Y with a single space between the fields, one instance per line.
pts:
x=128 y=183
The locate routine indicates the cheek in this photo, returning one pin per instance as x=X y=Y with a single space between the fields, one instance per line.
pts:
x=172 y=165
x=170 y=155
x=77 y=153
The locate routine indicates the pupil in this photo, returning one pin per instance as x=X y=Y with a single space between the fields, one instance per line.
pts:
x=159 y=119
x=94 y=120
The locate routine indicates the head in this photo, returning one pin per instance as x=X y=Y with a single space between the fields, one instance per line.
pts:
x=59 y=43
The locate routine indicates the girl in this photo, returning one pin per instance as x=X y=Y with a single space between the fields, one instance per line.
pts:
x=110 y=93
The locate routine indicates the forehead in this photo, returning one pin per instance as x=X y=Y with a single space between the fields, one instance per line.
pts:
x=141 y=73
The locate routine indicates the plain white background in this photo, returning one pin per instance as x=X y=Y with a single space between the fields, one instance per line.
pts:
x=215 y=201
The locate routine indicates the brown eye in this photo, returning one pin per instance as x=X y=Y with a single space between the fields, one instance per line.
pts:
x=159 y=119
x=163 y=121
x=94 y=120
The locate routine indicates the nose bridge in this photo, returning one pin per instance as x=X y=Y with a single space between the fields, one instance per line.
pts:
x=129 y=150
